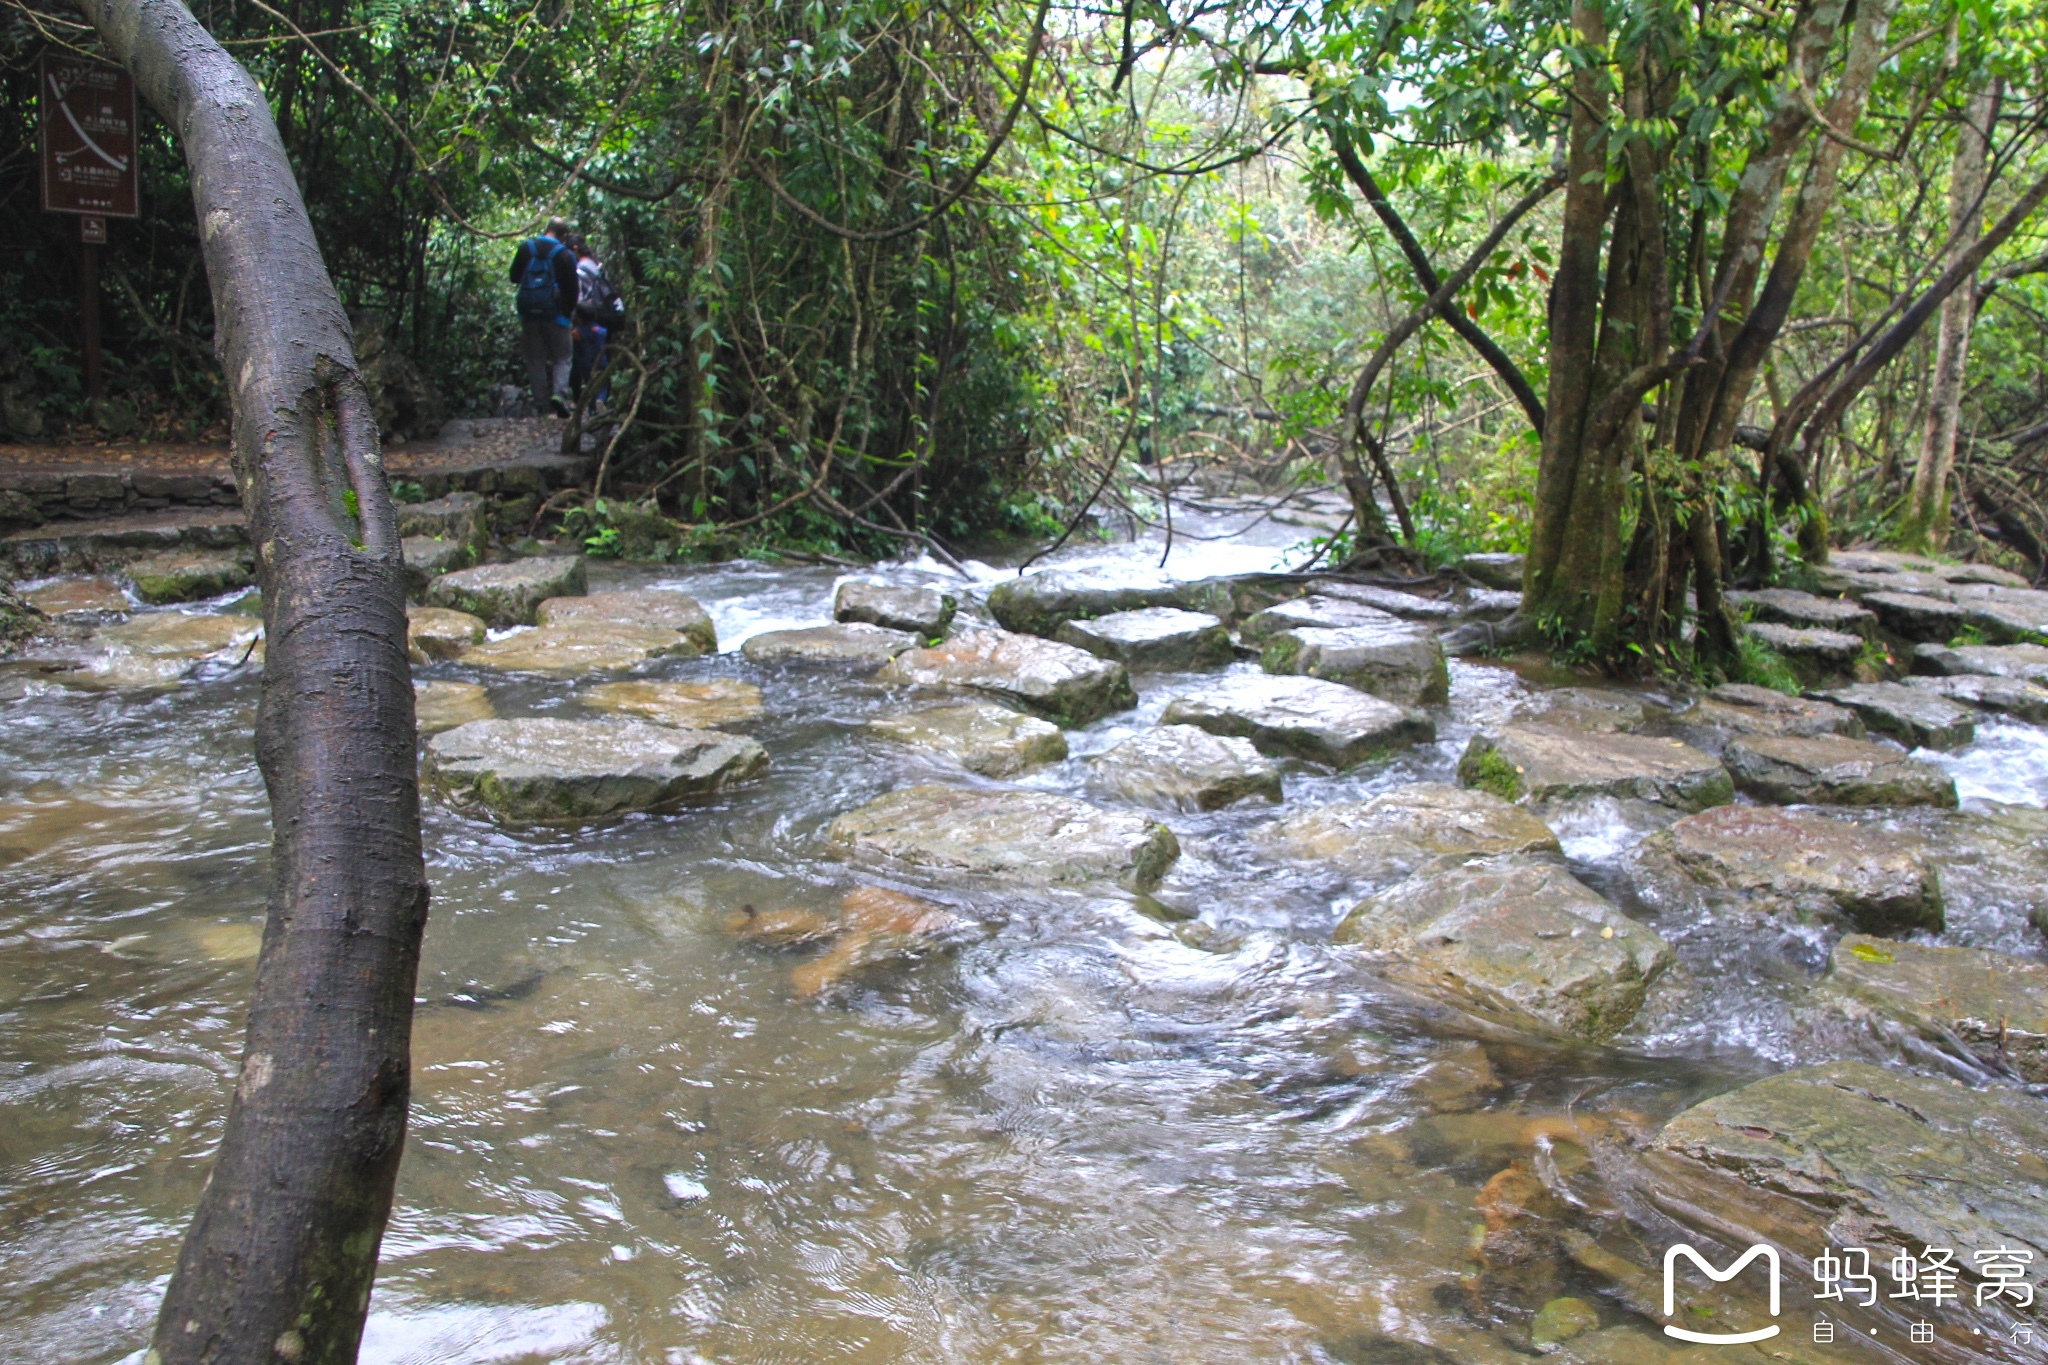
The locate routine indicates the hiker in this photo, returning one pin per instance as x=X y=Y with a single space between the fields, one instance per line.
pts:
x=544 y=268
x=599 y=313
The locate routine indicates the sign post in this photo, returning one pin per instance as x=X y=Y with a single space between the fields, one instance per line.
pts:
x=87 y=113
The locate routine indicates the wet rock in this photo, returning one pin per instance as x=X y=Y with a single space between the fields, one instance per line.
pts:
x=439 y=706
x=461 y=518
x=1743 y=709
x=162 y=648
x=1811 y=651
x=1829 y=770
x=2005 y=614
x=1996 y=661
x=1499 y=571
x=1491 y=604
x=781 y=930
x=1178 y=767
x=1594 y=710
x=569 y=772
x=427 y=558
x=875 y=926
x=189 y=575
x=2009 y=696
x=1395 y=660
x=1314 y=613
x=77 y=597
x=568 y=651
x=692 y=705
x=1910 y=715
x=1408 y=829
x=1300 y=717
x=1914 y=616
x=1802 y=864
x=1407 y=605
x=1993 y=859
x=1521 y=1260
x=1040 y=603
x=660 y=608
x=1233 y=597
x=1842 y=1154
x=1787 y=607
x=1994 y=1004
x=987 y=739
x=1066 y=685
x=1524 y=941
x=1027 y=835
x=436 y=633
x=1160 y=638
x=853 y=643
x=509 y=594
x=924 y=612
x=1562 y=1319
x=1542 y=764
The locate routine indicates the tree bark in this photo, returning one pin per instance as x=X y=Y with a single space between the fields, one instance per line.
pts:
x=278 y=1262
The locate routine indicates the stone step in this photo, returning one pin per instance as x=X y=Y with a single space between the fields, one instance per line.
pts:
x=112 y=542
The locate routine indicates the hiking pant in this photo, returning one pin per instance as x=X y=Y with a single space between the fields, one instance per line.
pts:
x=544 y=343
x=588 y=359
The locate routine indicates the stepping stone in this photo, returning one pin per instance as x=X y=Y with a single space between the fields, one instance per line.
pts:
x=853 y=643
x=1162 y=638
x=427 y=558
x=1066 y=685
x=661 y=608
x=1490 y=604
x=1810 y=650
x=1542 y=764
x=1040 y=603
x=987 y=739
x=462 y=518
x=2010 y=696
x=1178 y=767
x=1524 y=942
x=1996 y=661
x=1323 y=722
x=78 y=597
x=1585 y=708
x=1786 y=607
x=924 y=612
x=874 y=926
x=1915 y=617
x=434 y=634
x=1407 y=829
x=161 y=649
x=1799 y=863
x=570 y=651
x=1744 y=709
x=692 y=705
x=1023 y=835
x=2006 y=615
x=439 y=706
x=1499 y=571
x=1396 y=660
x=1829 y=770
x=1995 y=1004
x=1314 y=613
x=189 y=575
x=572 y=772
x=1407 y=605
x=509 y=594
x=1913 y=716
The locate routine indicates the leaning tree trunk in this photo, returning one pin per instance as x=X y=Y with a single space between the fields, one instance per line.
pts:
x=278 y=1261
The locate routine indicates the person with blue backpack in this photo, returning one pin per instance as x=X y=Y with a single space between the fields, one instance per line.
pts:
x=544 y=269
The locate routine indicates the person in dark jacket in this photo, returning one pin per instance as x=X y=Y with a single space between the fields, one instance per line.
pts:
x=544 y=269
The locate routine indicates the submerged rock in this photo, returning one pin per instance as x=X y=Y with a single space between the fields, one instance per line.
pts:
x=1064 y=684
x=1787 y=607
x=433 y=634
x=1323 y=722
x=1994 y=859
x=1743 y=709
x=987 y=739
x=509 y=594
x=1525 y=941
x=1314 y=613
x=1179 y=767
x=1994 y=1004
x=692 y=705
x=189 y=575
x=2008 y=696
x=1912 y=716
x=1027 y=835
x=924 y=612
x=1163 y=638
x=1595 y=710
x=1828 y=770
x=1407 y=829
x=852 y=643
x=1040 y=603
x=874 y=925
x=78 y=597
x=568 y=651
x=1542 y=764
x=658 y=608
x=439 y=706
x=1396 y=660
x=569 y=772
x=1998 y=661
x=1804 y=864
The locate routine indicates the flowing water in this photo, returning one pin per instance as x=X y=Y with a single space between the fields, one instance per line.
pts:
x=1081 y=1129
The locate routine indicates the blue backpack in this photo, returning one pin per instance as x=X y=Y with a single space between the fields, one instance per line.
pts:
x=538 y=297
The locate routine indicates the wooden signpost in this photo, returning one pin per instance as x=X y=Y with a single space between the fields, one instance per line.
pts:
x=87 y=113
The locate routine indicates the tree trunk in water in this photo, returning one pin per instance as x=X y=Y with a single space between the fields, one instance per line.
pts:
x=1926 y=521
x=279 y=1259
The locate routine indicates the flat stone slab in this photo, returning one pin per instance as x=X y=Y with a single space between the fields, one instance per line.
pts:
x=463 y=518
x=661 y=608
x=1802 y=864
x=1066 y=685
x=161 y=649
x=510 y=594
x=439 y=706
x=924 y=612
x=1396 y=660
x=1829 y=770
x=1523 y=941
x=703 y=705
x=568 y=651
x=1491 y=604
x=1179 y=767
x=1025 y=835
x=853 y=643
x=1499 y=571
x=1314 y=613
x=2009 y=696
x=78 y=597
x=1410 y=828
x=434 y=634
x=1996 y=661
x=1598 y=710
x=1040 y=603
x=1788 y=607
x=1543 y=764
x=1323 y=722
x=429 y=557
x=1745 y=709
x=571 y=772
x=1916 y=617
x=1910 y=715
x=189 y=575
x=1407 y=605
x=1158 y=638
x=1824 y=649
x=987 y=739
x=1905 y=561
x=2005 y=614
x=1994 y=1004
